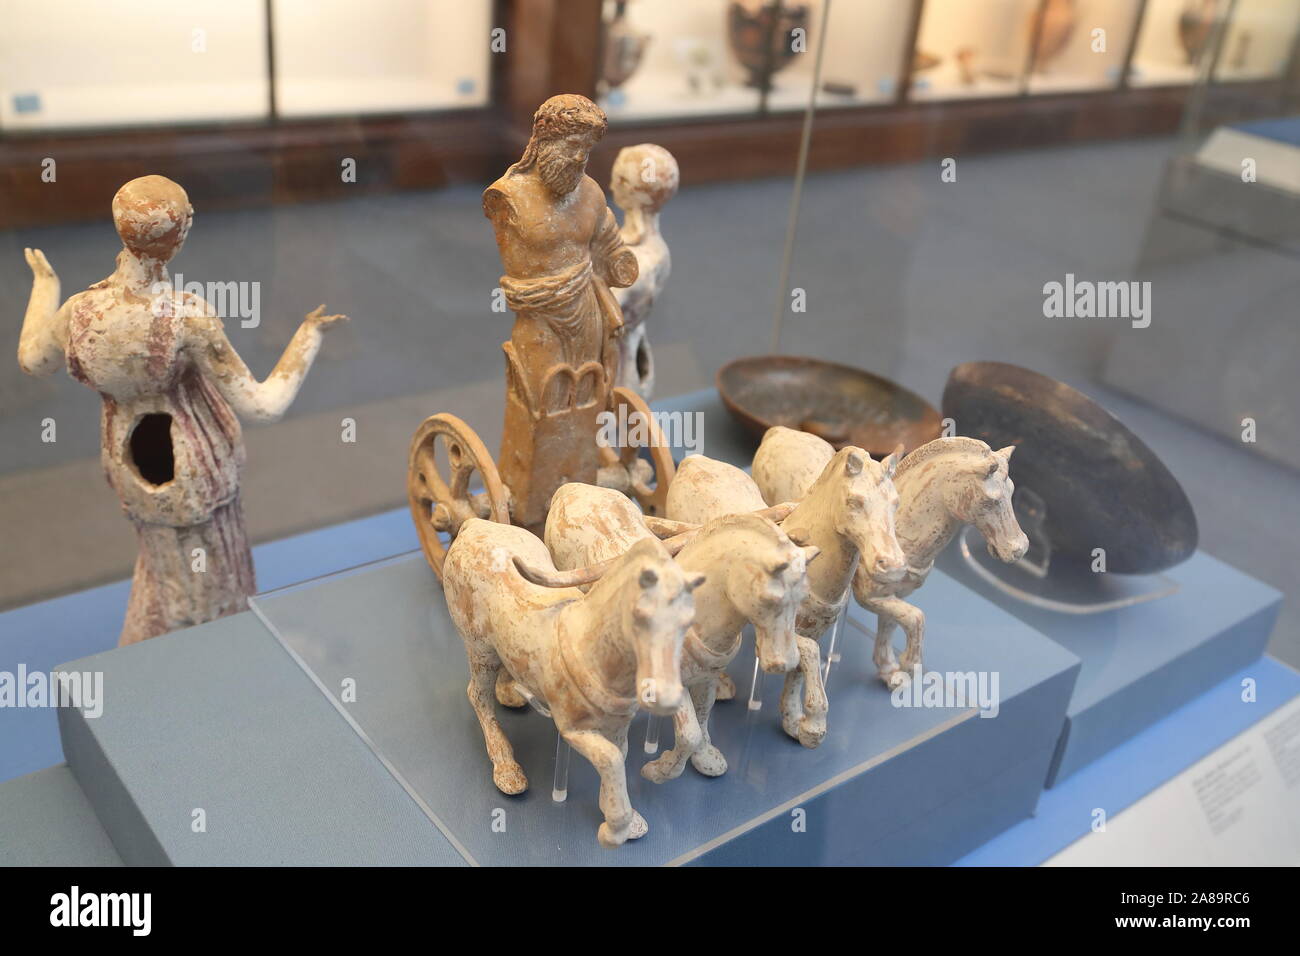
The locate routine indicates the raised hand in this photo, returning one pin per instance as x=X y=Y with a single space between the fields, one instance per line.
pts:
x=42 y=271
x=318 y=318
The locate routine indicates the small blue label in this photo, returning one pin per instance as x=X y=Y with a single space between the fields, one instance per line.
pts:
x=921 y=83
x=27 y=102
x=465 y=86
x=885 y=85
x=616 y=98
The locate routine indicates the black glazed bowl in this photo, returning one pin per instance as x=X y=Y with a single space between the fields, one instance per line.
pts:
x=1103 y=487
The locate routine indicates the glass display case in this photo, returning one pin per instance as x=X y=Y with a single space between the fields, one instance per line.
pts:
x=335 y=58
x=671 y=59
x=105 y=72
x=1259 y=41
x=1175 y=38
x=972 y=49
x=1083 y=45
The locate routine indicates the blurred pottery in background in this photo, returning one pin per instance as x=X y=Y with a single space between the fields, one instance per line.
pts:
x=1051 y=26
x=841 y=404
x=761 y=36
x=622 y=49
x=1195 y=24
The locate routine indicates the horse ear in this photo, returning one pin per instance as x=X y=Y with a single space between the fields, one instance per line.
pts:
x=694 y=582
x=1005 y=453
x=890 y=465
x=649 y=578
x=798 y=536
x=811 y=552
x=853 y=463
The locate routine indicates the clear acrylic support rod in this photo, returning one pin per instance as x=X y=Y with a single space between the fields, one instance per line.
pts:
x=831 y=655
x=560 y=785
x=651 y=734
x=756 y=686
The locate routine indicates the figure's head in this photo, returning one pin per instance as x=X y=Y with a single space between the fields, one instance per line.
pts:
x=658 y=611
x=565 y=129
x=644 y=177
x=863 y=503
x=153 y=216
x=767 y=583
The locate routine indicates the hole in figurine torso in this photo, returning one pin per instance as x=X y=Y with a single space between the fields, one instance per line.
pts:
x=151 y=448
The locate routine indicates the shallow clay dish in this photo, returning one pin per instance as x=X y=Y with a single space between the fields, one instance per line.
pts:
x=1103 y=487
x=844 y=405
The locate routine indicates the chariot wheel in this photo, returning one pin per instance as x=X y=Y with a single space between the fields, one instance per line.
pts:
x=440 y=505
x=649 y=490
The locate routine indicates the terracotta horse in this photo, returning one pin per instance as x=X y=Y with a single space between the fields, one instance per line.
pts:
x=753 y=572
x=592 y=658
x=848 y=514
x=942 y=486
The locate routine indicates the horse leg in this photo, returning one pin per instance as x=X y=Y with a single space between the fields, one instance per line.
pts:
x=812 y=726
x=914 y=626
x=791 y=702
x=507 y=693
x=621 y=821
x=686 y=740
x=619 y=738
x=883 y=653
x=726 y=687
x=890 y=613
x=707 y=759
x=506 y=772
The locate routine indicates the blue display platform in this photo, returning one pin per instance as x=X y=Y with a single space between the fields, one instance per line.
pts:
x=46 y=820
x=220 y=718
x=40 y=636
x=1143 y=661
x=215 y=748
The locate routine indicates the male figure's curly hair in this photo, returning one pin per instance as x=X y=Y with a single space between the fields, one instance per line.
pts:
x=561 y=116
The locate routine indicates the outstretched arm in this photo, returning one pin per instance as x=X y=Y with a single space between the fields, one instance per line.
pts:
x=43 y=342
x=261 y=401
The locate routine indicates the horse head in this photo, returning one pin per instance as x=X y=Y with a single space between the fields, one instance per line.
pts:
x=657 y=611
x=863 y=502
x=980 y=494
x=766 y=582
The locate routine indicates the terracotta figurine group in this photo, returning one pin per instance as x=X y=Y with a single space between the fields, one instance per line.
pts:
x=593 y=581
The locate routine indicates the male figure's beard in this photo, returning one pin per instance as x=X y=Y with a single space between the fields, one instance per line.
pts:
x=560 y=174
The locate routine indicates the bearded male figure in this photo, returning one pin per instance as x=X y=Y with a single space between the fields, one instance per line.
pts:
x=561 y=251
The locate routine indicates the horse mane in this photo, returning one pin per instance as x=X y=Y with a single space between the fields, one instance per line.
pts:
x=942 y=446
